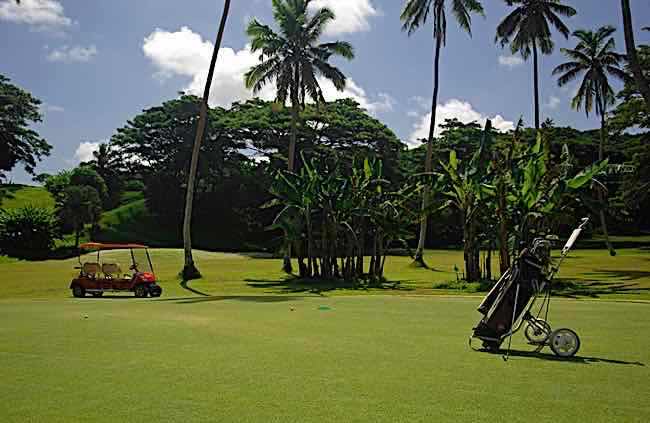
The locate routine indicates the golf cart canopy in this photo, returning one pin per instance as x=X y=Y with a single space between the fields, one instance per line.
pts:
x=98 y=246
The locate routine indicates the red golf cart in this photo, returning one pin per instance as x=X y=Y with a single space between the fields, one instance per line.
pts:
x=104 y=273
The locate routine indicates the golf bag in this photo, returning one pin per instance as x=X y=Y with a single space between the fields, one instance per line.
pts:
x=509 y=299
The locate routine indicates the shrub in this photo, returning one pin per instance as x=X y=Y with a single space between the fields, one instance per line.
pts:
x=28 y=232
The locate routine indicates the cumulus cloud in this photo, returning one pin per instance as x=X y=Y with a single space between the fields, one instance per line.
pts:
x=510 y=61
x=84 y=152
x=38 y=13
x=553 y=103
x=185 y=53
x=351 y=15
x=454 y=108
x=70 y=54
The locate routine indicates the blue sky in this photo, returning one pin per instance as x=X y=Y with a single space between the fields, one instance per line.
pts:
x=96 y=63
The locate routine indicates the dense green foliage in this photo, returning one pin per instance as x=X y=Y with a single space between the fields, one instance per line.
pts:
x=18 y=142
x=28 y=232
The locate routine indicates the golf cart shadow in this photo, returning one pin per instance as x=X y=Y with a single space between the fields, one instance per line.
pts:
x=574 y=359
x=109 y=297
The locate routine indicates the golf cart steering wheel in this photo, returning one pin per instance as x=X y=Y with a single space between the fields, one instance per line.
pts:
x=134 y=266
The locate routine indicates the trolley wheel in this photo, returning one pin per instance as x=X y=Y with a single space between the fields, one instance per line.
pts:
x=537 y=331
x=564 y=342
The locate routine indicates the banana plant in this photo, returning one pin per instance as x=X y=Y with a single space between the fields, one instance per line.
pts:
x=538 y=189
x=469 y=189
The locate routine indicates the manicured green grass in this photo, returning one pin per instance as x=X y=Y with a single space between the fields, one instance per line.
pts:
x=17 y=196
x=586 y=273
x=248 y=345
x=365 y=359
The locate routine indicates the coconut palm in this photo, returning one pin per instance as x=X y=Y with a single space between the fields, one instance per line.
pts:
x=293 y=58
x=527 y=29
x=641 y=81
x=595 y=60
x=189 y=270
x=414 y=15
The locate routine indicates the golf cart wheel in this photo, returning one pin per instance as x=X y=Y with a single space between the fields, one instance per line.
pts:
x=140 y=291
x=537 y=331
x=564 y=342
x=97 y=294
x=78 y=291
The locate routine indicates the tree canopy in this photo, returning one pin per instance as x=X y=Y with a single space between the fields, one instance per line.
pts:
x=19 y=143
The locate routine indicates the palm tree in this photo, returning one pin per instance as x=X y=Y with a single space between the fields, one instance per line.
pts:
x=528 y=30
x=635 y=66
x=414 y=15
x=293 y=58
x=595 y=60
x=189 y=270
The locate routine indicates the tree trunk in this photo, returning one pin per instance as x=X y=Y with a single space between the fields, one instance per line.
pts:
x=536 y=83
x=488 y=264
x=428 y=164
x=602 y=195
x=295 y=115
x=641 y=82
x=77 y=235
x=470 y=252
x=504 y=254
x=310 y=245
x=189 y=270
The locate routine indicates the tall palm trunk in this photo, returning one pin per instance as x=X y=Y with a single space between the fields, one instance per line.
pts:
x=536 y=83
x=428 y=163
x=470 y=250
x=504 y=254
x=295 y=115
x=189 y=270
x=639 y=78
x=601 y=191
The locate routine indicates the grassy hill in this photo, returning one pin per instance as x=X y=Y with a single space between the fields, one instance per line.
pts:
x=132 y=222
x=17 y=196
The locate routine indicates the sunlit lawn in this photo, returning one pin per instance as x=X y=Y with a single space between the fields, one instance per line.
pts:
x=586 y=273
x=257 y=348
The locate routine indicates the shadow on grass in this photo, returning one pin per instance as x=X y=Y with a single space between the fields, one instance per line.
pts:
x=594 y=289
x=244 y=298
x=319 y=287
x=575 y=359
x=184 y=285
x=109 y=297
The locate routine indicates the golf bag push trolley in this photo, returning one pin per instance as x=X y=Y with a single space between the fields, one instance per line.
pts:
x=509 y=305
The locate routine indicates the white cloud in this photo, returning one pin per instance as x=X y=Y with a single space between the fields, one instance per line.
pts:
x=510 y=61
x=553 y=103
x=185 y=53
x=51 y=108
x=571 y=90
x=70 y=54
x=351 y=15
x=38 y=13
x=84 y=152
x=461 y=110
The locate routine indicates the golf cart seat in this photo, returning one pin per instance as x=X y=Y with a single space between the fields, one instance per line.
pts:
x=111 y=270
x=90 y=269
